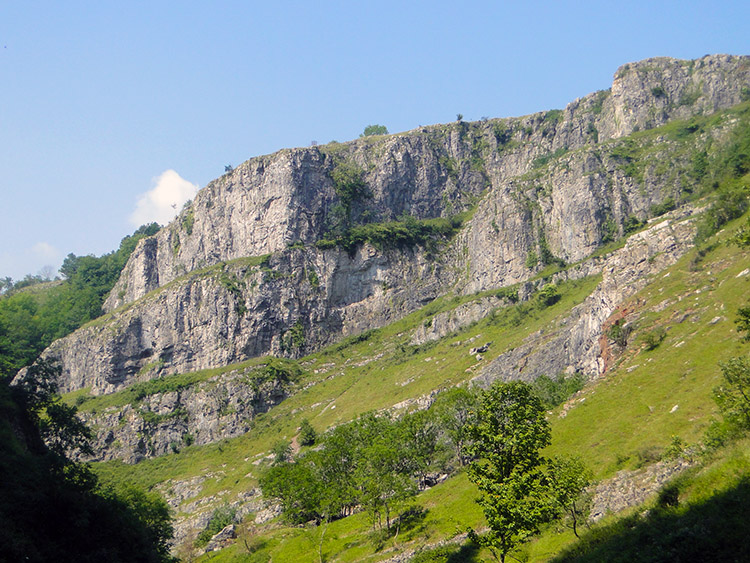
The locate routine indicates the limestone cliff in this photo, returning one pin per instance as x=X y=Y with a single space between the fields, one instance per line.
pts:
x=549 y=187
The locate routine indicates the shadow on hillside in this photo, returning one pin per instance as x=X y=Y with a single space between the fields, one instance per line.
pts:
x=717 y=529
x=467 y=553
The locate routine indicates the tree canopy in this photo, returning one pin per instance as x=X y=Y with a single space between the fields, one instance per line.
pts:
x=374 y=130
x=54 y=509
x=520 y=489
x=30 y=321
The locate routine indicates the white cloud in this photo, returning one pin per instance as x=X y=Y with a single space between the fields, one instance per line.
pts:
x=45 y=251
x=164 y=201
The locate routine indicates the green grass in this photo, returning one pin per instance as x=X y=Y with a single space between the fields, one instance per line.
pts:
x=625 y=413
x=682 y=370
x=252 y=369
x=342 y=390
x=708 y=524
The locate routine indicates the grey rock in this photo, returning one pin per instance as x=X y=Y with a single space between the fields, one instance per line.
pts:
x=630 y=488
x=222 y=538
x=190 y=299
x=575 y=344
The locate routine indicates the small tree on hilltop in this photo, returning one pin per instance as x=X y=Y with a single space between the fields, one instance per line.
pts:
x=374 y=130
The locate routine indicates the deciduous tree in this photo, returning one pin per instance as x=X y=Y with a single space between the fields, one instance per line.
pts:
x=507 y=437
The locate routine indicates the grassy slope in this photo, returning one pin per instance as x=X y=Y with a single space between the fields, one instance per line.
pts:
x=341 y=390
x=627 y=413
x=625 y=418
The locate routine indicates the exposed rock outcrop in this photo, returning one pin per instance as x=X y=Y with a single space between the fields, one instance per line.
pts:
x=574 y=345
x=223 y=406
x=550 y=186
x=272 y=201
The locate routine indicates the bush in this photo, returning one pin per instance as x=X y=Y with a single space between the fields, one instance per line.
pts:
x=374 y=130
x=548 y=295
x=651 y=340
x=659 y=209
x=619 y=332
x=555 y=391
x=307 y=434
x=220 y=519
x=729 y=204
x=632 y=224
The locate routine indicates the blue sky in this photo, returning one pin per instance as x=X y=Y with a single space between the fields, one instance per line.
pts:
x=104 y=102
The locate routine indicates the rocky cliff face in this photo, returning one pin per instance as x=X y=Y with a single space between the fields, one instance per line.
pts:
x=550 y=187
x=159 y=420
x=575 y=344
x=272 y=201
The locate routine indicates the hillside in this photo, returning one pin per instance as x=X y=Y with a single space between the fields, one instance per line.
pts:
x=325 y=282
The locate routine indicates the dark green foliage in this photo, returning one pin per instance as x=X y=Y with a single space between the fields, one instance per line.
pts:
x=349 y=183
x=293 y=339
x=532 y=259
x=675 y=449
x=598 y=104
x=659 y=209
x=503 y=134
x=700 y=165
x=545 y=159
x=653 y=338
x=733 y=395
x=220 y=518
x=555 y=391
x=690 y=95
x=307 y=434
x=29 y=322
x=658 y=92
x=619 y=332
x=52 y=509
x=350 y=186
x=468 y=553
x=188 y=221
x=516 y=497
x=553 y=116
x=374 y=462
x=455 y=410
x=406 y=233
x=545 y=254
x=297 y=488
x=685 y=129
x=282 y=451
x=548 y=295
x=166 y=384
x=609 y=231
x=374 y=130
x=632 y=224
x=743 y=322
x=235 y=287
x=312 y=277
x=669 y=496
x=628 y=152
x=569 y=478
x=742 y=237
x=735 y=158
x=728 y=204
x=510 y=293
x=592 y=131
